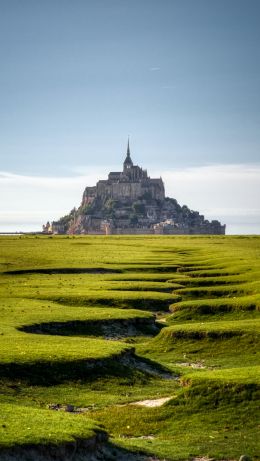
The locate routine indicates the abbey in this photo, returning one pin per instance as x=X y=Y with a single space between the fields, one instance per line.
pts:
x=130 y=202
x=132 y=183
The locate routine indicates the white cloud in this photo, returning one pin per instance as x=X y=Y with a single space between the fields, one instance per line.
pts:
x=29 y=201
x=216 y=187
x=226 y=192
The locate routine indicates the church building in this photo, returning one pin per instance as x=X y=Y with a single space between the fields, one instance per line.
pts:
x=130 y=202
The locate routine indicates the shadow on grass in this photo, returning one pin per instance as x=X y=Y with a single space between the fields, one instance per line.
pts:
x=47 y=373
x=65 y=270
x=108 y=328
x=152 y=269
x=93 y=449
x=124 y=302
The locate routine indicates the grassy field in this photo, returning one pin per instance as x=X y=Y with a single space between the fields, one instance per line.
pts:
x=91 y=325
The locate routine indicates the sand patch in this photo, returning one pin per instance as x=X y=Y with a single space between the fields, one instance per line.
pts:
x=152 y=403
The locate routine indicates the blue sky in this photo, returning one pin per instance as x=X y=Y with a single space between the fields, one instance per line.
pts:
x=181 y=77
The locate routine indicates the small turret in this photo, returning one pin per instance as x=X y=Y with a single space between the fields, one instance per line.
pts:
x=128 y=161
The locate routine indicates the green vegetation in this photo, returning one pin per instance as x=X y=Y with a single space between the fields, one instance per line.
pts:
x=90 y=325
x=42 y=426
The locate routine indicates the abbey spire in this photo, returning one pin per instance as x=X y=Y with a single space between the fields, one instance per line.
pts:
x=128 y=148
x=128 y=161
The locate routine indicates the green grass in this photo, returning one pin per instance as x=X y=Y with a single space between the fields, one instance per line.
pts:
x=198 y=309
x=42 y=426
x=198 y=420
x=73 y=309
x=30 y=348
x=90 y=290
x=222 y=290
x=211 y=345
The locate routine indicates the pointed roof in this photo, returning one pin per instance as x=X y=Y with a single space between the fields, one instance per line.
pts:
x=128 y=160
x=128 y=149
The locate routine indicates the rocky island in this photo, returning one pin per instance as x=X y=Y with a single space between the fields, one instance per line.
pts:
x=130 y=202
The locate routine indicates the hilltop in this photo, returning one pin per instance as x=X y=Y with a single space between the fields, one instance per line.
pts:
x=130 y=202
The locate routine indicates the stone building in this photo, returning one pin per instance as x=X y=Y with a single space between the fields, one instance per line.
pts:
x=132 y=183
x=130 y=202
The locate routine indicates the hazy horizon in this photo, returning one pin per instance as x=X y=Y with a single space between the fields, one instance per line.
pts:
x=31 y=200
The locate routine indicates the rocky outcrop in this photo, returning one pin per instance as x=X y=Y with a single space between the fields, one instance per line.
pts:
x=130 y=202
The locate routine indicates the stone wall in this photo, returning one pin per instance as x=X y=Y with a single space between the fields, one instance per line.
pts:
x=128 y=189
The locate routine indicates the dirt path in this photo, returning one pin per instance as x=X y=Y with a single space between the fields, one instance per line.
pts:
x=152 y=403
